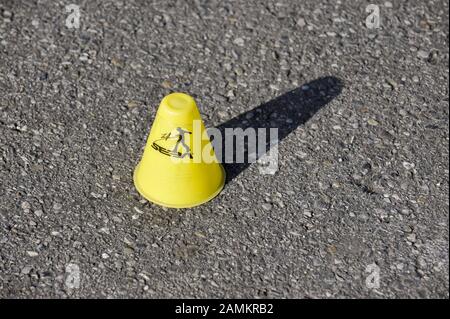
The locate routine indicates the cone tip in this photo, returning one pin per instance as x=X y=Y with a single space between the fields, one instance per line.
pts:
x=179 y=103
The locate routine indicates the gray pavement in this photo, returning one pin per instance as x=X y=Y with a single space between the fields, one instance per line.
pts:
x=358 y=208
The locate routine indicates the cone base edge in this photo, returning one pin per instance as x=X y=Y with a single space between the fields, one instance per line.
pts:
x=168 y=205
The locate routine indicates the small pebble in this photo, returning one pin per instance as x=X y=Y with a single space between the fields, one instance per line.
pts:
x=38 y=213
x=166 y=84
x=335 y=185
x=422 y=54
x=301 y=22
x=239 y=41
x=421 y=263
x=392 y=83
x=25 y=206
x=199 y=235
x=249 y=115
x=95 y=195
x=116 y=62
x=411 y=238
x=7 y=14
x=32 y=253
x=433 y=57
x=408 y=229
x=408 y=166
x=117 y=219
x=308 y=213
x=230 y=94
x=302 y=155
x=274 y=87
x=132 y=104
x=363 y=217
x=26 y=270
x=372 y=122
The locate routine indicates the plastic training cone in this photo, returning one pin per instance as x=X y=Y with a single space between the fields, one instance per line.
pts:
x=172 y=172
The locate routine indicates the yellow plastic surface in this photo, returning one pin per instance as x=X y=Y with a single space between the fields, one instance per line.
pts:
x=167 y=173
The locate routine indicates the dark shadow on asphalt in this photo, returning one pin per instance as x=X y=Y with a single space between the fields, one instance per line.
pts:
x=286 y=113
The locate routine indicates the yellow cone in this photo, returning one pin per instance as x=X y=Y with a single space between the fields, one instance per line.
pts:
x=172 y=172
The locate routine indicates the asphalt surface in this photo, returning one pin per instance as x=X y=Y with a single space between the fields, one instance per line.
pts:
x=362 y=187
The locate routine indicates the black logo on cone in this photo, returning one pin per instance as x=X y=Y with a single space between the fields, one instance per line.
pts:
x=180 y=149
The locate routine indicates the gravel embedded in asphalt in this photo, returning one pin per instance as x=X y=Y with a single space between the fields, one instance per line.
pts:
x=363 y=181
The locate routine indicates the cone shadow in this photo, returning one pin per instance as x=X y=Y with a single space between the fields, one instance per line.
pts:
x=286 y=113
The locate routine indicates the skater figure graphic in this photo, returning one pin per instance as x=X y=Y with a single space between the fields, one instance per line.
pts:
x=178 y=138
x=181 y=140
